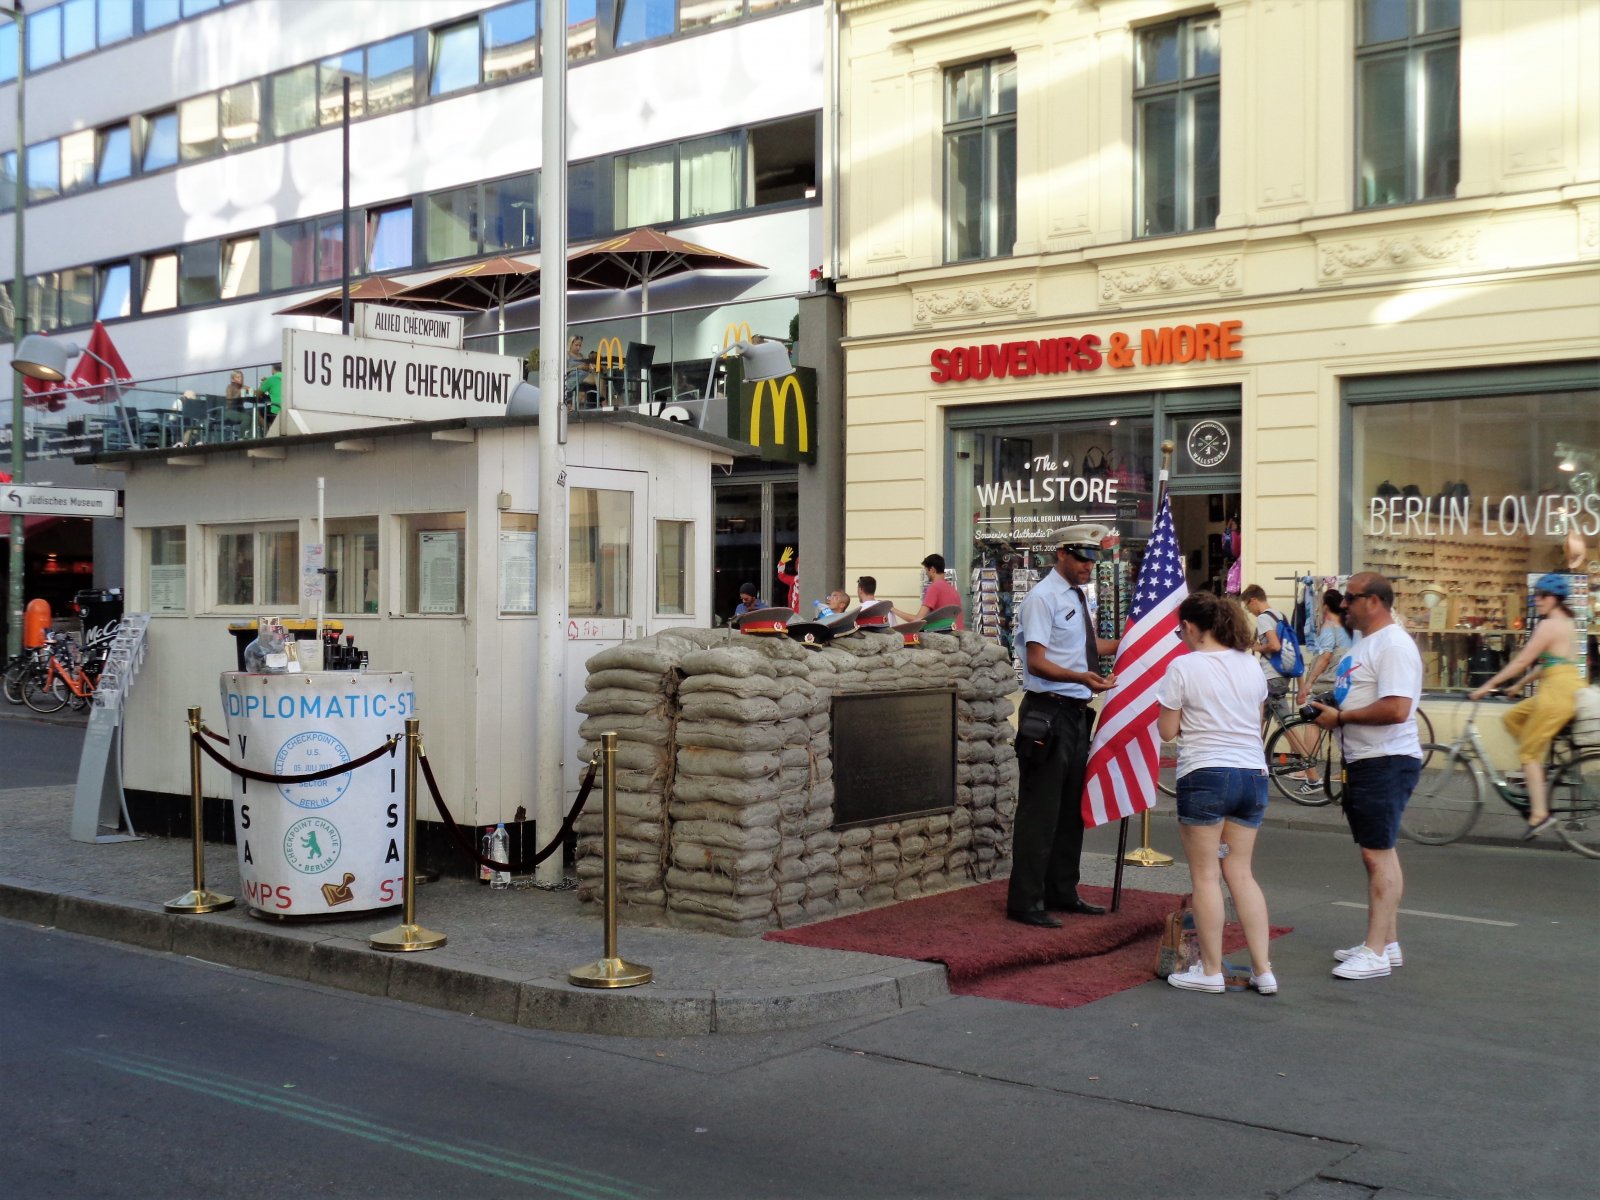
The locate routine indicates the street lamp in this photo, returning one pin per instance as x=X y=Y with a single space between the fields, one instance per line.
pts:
x=14 y=589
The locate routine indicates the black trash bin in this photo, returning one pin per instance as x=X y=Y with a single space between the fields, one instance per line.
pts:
x=101 y=612
x=303 y=629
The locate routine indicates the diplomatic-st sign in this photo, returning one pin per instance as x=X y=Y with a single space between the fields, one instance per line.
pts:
x=58 y=501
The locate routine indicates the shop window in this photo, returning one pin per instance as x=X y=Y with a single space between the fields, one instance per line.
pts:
x=389 y=246
x=43 y=296
x=599 y=554
x=519 y=563
x=391 y=74
x=158 y=13
x=1463 y=502
x=114 y=292
x=241 y=115
x=199 y=128
x=332 y=74
x=436 y=558
x=980 y=159
x=241 y=267
x=77 y=297
x=44 y=38
x=160 y=283
x=166 y=571
x=44 y=171
x=160 y=134
x=511 y=41
x=115 y=154
x=450 y=224
x=582 y=31
x=77 y=27
x=1408 y=68
x=644 y=20
x=255 y=567
x=291 y=256
x=783 y=162
x=642 y=187
x=453 y=64
x=199 y=273
x=698 y=14
x=674 y=568
x=116 y=21
x=710 y=175
x=77 y=161
x=351 y=558
x=1177 y=125
x=511 y=213
x=294 y=100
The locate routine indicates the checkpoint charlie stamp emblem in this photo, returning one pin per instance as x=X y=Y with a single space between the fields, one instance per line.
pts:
x=305 y=754
x=312 y=845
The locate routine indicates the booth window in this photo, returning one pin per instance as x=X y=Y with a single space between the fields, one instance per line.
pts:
x=351 y=559
x=435 y=563
x=44 y=171
x=511 y=213
x=1177 y=102
x=256 y=567
x=241 y=267
x=166 y=577
x=160 y=282
x=1408 y=101
x=642 y=187
x=600 y=553
x=980 y=159
x=519 y=562
x=674 y=564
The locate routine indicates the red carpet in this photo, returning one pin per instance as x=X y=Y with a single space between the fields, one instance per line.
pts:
x=987 y=955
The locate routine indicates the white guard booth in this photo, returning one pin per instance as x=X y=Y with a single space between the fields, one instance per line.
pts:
x=430 y=551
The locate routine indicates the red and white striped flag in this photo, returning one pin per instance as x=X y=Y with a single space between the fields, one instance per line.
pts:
x=1125 y=755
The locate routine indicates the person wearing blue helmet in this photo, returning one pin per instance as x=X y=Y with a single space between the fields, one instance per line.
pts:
x=1534 y=722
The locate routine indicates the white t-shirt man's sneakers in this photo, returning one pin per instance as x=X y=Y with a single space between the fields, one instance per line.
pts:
x=1385 y=663
x=1220 y=695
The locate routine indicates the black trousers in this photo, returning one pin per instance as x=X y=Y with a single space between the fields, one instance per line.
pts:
x=1047 y=837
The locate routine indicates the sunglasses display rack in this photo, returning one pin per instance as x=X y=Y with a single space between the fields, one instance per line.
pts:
x=1478 y=582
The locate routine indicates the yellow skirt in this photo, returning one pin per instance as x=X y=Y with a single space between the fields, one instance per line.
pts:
x=1534 y=722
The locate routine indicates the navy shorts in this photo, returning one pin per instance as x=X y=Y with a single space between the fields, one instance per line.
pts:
x=1207 y=795
x=1375 y=794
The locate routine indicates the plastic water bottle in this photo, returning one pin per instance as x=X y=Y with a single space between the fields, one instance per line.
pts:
x=500 y=851
x=486 y=850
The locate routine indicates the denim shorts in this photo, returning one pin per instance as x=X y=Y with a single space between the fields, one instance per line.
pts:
x=1208 y=794
x=1375 y=794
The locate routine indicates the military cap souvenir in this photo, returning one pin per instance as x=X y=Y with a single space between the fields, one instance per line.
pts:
x=764 y=621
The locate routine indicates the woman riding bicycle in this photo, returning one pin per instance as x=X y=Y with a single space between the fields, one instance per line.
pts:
x=1534 y=722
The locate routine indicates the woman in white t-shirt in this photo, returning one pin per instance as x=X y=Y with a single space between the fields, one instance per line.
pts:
x=1213 y=697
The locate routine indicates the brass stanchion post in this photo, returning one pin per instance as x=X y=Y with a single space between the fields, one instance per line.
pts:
x=408 y=935
x=1144 y=856
x=199 y=900
x=610 y=971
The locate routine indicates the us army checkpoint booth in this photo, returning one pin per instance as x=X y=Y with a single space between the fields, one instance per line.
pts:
x=430 y=558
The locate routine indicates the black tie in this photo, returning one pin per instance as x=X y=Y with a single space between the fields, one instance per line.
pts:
x=1091 y=648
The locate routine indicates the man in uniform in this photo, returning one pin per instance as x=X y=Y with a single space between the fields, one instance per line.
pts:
x=1061 y=662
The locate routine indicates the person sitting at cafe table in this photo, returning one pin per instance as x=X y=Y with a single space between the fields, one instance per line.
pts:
x=580 y=370
x=236 y=390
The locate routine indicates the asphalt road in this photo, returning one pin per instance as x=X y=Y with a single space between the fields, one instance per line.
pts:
x=38 y=751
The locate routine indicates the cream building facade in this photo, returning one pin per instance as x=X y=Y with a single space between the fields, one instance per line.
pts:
x=1344 y=253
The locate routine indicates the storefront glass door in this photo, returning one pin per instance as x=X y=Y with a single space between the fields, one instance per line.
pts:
x=755 y=519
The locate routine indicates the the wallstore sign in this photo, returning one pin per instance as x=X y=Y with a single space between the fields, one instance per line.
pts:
x=1205 y=342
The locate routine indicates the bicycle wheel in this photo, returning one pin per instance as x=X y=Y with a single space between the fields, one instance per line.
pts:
x=1333 y=768
x=1424 y=727
x=1296 y=768
x=1447 y=801
x=46 y=695
x=16 y=672
x=1575 y=804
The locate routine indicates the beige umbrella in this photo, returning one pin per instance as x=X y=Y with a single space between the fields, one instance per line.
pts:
x=374 y=287
x=637 y=259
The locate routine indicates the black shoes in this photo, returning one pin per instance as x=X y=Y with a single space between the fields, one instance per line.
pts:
x=1077 y=907
x=1041 y=920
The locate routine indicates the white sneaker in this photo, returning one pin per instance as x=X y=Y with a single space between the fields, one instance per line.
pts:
x=1195 y=979
x=1362 y=963
x=1391 y=952
x=1266 y=983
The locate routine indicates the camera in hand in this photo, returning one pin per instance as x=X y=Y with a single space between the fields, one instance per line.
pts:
x=1309 y=711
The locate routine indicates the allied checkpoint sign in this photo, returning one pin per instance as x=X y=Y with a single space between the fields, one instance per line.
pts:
x=332 y=845
x=332 y=382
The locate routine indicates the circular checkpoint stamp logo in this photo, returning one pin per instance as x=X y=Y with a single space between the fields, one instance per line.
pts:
x=312 y=845
x=1208 y=443
x=305 y=754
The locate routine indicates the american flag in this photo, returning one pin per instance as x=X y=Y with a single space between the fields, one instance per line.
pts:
x=1125 y=755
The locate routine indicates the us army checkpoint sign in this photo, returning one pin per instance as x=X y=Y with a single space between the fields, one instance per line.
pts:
x=332 y=845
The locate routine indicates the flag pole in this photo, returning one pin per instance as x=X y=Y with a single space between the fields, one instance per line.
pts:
x=1145 y=855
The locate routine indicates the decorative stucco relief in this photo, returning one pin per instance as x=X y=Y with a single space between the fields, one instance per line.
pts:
x=976 y=301
x=1219 y=274
x=1403 y=253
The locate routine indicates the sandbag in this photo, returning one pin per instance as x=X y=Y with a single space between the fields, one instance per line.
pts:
x=730 y=735
x=679 y=880
x=637 y=681
x=748 y=816
x=727 y=837
x=730 y=764
x=622 y=700
x=719 y=706
x=743 y=686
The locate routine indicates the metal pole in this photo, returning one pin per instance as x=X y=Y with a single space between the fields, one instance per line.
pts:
x=408 y=935
x=344 y=279
x=550 y=780
x=1144 y=856
x=199 y=900
x=610 y=971
x=19 y=461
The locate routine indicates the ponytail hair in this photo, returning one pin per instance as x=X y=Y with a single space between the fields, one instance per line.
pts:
x=1222 y=617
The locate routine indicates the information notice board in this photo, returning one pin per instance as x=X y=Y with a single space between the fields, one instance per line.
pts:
x=894 y=756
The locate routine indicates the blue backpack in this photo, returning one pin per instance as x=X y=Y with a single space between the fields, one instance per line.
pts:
x=1288 y=661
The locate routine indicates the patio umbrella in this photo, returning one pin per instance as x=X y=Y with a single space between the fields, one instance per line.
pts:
x=328 y=304
x=98 y=377
x=639 y=258
x=493 y=283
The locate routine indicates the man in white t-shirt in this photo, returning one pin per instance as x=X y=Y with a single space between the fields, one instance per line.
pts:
x=1378 y=687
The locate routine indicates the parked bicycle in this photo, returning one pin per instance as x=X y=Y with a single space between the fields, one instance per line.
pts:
x=1450 y=794
x=69 y=678
x=23 y=668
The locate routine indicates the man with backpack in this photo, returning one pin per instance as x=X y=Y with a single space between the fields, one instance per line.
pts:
x=1283 y=664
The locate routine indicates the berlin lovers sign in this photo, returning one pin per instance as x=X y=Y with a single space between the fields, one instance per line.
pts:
x=333 y=382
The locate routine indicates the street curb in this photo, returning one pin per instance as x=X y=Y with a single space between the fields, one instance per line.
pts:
x=438 y=980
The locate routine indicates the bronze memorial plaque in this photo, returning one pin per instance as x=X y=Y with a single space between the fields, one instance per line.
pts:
x=894 y=756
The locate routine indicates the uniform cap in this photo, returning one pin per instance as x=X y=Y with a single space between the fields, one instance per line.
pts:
x=1081 y=541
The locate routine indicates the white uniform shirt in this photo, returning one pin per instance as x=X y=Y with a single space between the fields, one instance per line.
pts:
x=1385 y=663
x=1053 y=616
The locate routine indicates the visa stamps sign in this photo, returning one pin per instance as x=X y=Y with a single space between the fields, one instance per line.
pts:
x=326 y=845
x=776 y=416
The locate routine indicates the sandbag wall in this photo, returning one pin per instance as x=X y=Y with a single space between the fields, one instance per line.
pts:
x=725 y=777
